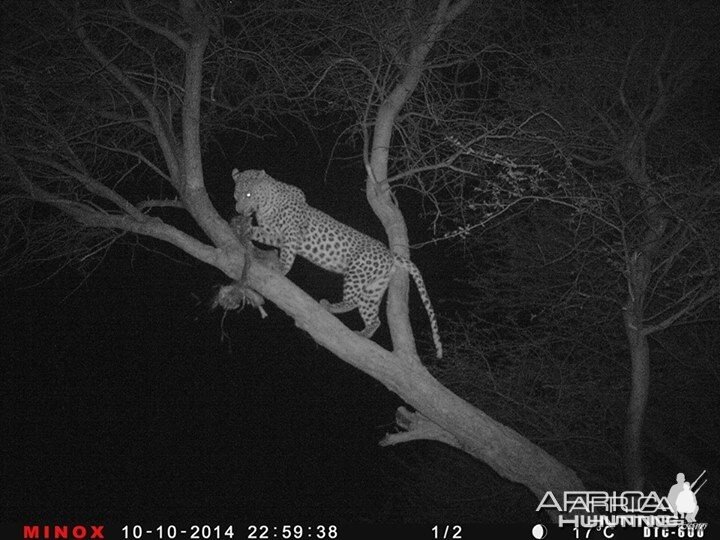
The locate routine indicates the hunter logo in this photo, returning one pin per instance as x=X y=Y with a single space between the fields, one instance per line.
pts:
x=605 y=510
x=63 y=532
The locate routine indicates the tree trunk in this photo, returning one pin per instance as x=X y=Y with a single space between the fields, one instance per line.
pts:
x=639 y=273
x=639 y=388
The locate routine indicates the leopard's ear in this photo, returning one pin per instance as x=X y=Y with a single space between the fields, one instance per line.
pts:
x=297 y=193
x=236 y=175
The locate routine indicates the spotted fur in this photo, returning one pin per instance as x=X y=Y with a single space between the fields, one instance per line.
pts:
x=286 y=221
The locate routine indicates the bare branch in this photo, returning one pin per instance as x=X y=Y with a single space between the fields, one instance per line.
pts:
x=162 y=133
x=171 y=36
x=165 y=203
x=695 y=303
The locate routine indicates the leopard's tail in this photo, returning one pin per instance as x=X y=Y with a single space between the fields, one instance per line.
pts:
x=417 y=277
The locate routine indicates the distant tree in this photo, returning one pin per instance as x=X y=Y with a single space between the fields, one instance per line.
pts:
x=610 y=124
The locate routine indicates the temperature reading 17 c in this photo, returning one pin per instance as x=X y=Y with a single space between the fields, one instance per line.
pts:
x=447 y=532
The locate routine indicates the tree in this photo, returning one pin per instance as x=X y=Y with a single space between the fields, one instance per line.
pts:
x=614 y=130
x=668 y=221
x=150 y=84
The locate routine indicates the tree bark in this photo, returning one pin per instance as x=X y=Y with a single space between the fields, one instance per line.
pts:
x=639 y=390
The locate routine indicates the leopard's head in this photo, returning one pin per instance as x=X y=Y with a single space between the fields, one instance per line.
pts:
x=250 y=190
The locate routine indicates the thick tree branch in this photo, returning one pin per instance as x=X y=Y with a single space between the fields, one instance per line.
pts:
x=377 y=188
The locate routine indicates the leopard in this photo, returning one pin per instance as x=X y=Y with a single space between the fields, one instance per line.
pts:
x=287 y=222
